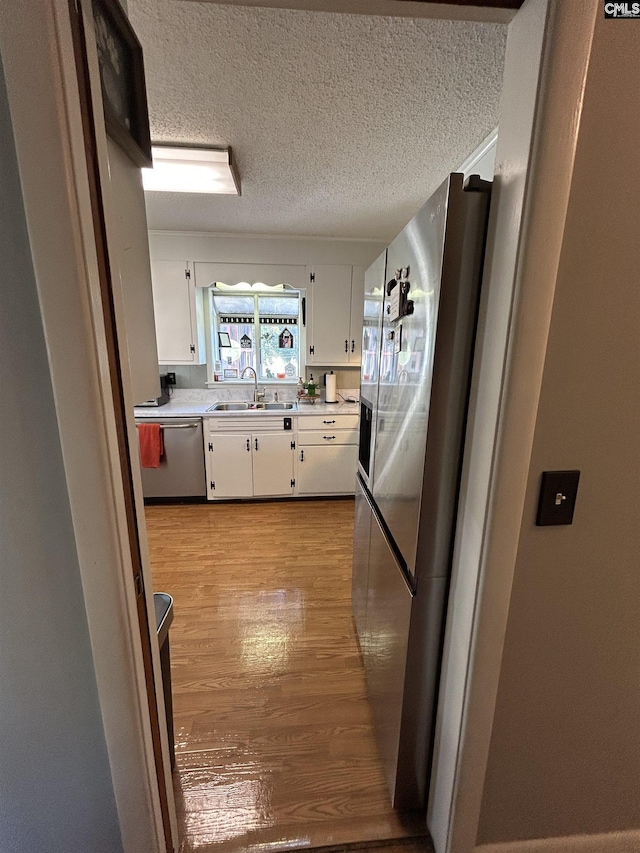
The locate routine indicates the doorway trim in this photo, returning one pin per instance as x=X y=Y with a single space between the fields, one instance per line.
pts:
x=38 y=59
x=540 y=116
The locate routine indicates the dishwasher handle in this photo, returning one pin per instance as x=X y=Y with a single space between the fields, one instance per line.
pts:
x=179 y=426
x=193 y=425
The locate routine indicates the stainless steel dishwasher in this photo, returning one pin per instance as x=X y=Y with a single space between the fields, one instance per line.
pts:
x=181 y=473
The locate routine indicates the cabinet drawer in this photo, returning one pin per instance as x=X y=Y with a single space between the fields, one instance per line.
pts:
x=308 y=422
x=328 y=436
x=250 y=422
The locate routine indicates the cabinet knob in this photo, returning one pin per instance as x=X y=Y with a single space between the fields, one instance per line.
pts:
x=256 y=443
x=346 y=346
x=328 y=437
x=353 y=346
x=249 y=445
x=302 y=455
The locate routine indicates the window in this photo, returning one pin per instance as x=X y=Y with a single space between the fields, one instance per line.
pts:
x=259 y=330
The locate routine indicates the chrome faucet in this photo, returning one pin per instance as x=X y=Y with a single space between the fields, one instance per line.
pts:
x=257 y=395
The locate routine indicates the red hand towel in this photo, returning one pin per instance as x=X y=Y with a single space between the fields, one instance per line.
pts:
x=151 y=448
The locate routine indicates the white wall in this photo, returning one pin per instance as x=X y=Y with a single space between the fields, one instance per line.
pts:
x=565 y=750
x=237 y=249
x=482 y=161
x=456 y=780
x=57 y=792
x=409 y=8
x=548 y=53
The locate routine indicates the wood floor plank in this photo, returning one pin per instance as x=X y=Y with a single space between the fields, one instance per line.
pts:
x=275 y=746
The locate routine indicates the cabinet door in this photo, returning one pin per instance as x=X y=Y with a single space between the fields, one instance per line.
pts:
x=229 y=468
x=357 y=314
x=272 y=463
x=328 y=342
x=327 y=469
x=131 y=257
x=178 y=311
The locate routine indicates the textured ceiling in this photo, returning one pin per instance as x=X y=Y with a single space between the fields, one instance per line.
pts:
x=453 y=10
x=341 y=125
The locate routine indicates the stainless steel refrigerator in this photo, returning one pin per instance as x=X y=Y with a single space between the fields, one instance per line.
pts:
x=406 y=496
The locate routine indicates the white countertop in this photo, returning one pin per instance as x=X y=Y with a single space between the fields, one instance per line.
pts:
x=186 y=408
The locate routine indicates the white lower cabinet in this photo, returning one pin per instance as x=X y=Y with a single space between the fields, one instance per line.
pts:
x=307 y=455
x=273 y=464
x=229 y=468
x=327 y=454
x=246 y=465
x=327 y=469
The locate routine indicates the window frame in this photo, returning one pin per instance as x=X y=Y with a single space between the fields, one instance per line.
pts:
x=212 y=334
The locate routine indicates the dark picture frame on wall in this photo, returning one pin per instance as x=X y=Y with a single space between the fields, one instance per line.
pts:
x=122 y=79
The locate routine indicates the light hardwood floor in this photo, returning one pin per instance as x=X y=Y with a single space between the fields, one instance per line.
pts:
x=274 y=734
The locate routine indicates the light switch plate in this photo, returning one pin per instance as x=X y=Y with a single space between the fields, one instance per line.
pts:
x=558 y=492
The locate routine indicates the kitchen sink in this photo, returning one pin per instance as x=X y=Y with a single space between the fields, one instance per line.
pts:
x=253 y=407
x=275 y=406
x=229 y=407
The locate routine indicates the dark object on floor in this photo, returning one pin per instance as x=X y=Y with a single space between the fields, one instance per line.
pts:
x=164 y=617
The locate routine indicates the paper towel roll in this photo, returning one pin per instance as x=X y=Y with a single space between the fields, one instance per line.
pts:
x=330 y=394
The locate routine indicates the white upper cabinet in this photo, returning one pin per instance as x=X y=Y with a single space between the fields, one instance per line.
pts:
x=357 y=313
x=178 y=312
x=333 y=310
x=335 y=321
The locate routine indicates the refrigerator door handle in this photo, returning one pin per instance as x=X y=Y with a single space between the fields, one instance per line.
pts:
x=400 y=562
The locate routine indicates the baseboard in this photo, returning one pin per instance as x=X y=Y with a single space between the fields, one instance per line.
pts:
x=606 y=842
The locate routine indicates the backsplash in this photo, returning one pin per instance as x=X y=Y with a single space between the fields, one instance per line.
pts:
x=241 y=392
x=195 y=376
x=187 y=376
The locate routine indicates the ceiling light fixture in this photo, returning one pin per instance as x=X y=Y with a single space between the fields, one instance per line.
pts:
x=192 y=170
